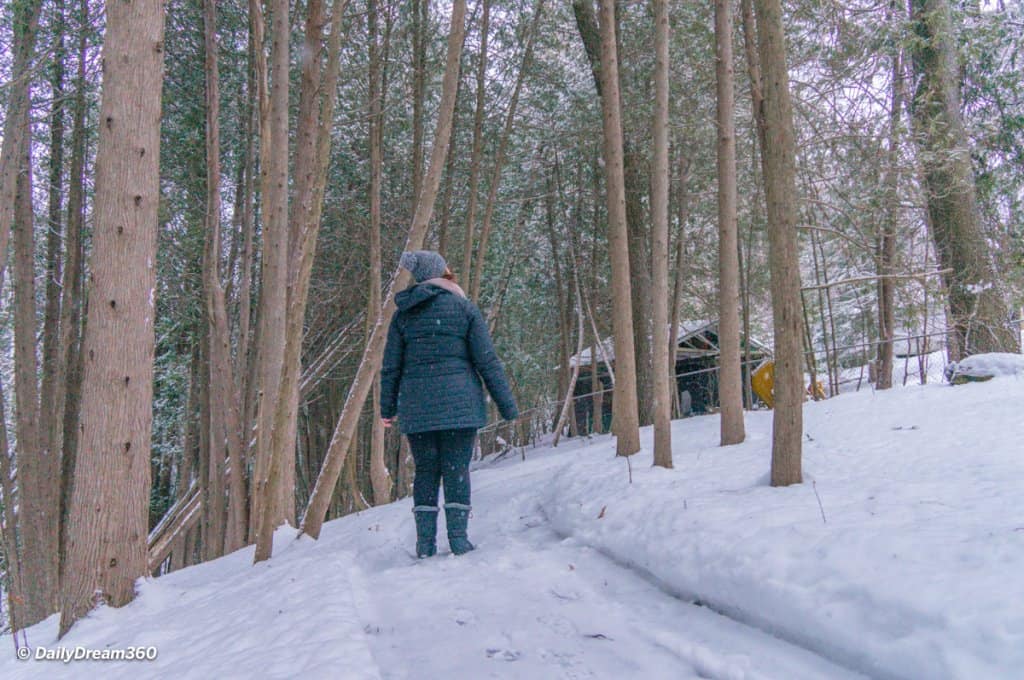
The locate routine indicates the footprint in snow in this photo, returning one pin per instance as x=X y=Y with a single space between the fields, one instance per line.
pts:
x=464 y=617
x=558 y=624
x=571 y=667
x=503 y=654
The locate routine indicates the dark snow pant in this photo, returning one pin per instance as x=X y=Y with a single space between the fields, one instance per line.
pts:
x=442 y=455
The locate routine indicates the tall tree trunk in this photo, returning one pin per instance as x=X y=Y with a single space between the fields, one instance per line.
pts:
x=273 y=287
x=37 y=466
x=225 y=506
x=756 y=99
x=16 y=122
x=625 y=419
x=380 y=479
x=730 y=382
x=257 y=445
x=478 y=144
x=244 y=298
x=659 y=243
x=980 y=316
x=499 y=158
x=71 y=302
x=779 y=168
x=14 y=586
x=316 y=114
x=214 y=505
x=50 y=425
x=179 y=552
x=635 y=189
x=887 y=239
x=107 y=548
x=679 y=281
x=344 y=430
x=420 y=30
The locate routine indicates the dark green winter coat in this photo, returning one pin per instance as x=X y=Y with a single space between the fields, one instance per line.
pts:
x=438 y=349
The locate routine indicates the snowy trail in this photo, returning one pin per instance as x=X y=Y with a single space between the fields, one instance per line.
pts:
x=916 y=573
x=530 y=604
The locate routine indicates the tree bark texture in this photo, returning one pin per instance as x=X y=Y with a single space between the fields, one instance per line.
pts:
x=478 y=141
x=380 y=478
x=662 y=374
x=625 y=417
x=730 y=380
x=26 y=24
x=67 y=402
x=108 y=522
x=779 y=169
x=636 y=191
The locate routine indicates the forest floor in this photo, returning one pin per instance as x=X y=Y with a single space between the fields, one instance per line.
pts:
x=900 y=556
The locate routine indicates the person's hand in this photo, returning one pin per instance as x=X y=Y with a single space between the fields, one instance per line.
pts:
x=387 y=421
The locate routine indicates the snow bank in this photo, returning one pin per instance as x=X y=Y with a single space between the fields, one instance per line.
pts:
x=293 y=616
x=988 y=365
x=911 y=566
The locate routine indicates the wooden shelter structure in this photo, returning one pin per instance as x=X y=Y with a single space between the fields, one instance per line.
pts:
x=696 y=373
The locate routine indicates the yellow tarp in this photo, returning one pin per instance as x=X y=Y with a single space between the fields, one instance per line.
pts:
x=762 y=381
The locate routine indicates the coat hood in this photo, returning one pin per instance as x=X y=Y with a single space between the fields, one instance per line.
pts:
x=421 y=292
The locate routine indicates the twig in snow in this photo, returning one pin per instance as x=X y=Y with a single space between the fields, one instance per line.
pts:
x=629 y=466
x=814 y=486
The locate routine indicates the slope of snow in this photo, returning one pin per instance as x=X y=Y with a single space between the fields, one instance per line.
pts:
x=911 y=566
x=916 y=570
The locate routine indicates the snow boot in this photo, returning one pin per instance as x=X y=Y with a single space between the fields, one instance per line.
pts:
x=426 y=530
x=457 y=517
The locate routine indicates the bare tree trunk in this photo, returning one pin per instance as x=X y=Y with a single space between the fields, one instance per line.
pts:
x=779 y=169
x=625 y=418
x=26 y=24
x=273 y=288
x=67 y=401
x=50 y=418
x=568 y=406
x=753 y=67
x=756 y=101
x=499 y=158
x=185 y=465
x=443 y=230
x=564 y=330
x=320 y=499
x=225 y=510
x=730 y=382
x=478 y=141
x=37 y=466
x=680 y=277
x=380 y=478
x=107 y=548
x=316 y=114
x=659 y=243
x=420 y=30
x=257 y=441
x=244 y=300
x=214 y=505
x=14 y=586
x=635 y=191
x=980 y=316
x=887 y=239
x=597 y=388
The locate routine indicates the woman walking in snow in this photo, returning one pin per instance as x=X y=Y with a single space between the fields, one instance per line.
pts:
x=438 y=349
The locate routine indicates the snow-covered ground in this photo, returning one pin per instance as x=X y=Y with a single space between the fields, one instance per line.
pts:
x=901 y=556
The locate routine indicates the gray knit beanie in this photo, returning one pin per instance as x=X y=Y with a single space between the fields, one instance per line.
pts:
x=424 y=264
